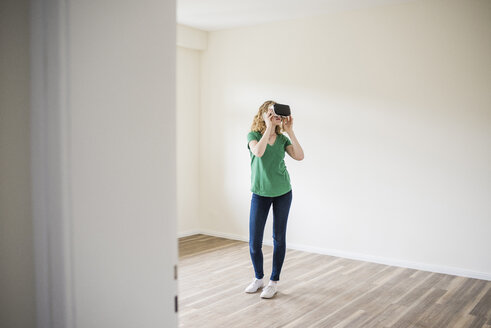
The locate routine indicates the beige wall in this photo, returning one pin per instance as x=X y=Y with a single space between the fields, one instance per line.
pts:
x=188 y=134
x=16 y=245
x=392 y=106
x=190 y=45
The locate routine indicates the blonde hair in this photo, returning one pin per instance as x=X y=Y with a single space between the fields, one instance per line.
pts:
x=258 y=123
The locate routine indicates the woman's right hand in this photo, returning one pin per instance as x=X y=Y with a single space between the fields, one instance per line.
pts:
x=268 y=119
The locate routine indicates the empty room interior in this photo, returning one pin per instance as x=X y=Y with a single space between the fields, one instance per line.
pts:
x=390 y=215
x=238 y=164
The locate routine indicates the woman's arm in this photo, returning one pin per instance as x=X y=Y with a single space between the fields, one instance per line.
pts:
x=259 y=147
x=294 y=150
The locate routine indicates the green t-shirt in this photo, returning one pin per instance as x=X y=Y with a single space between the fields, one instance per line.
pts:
x=269 y=176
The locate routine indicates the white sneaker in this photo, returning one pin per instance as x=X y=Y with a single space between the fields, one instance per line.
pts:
x=269 y=291
x=254 y=286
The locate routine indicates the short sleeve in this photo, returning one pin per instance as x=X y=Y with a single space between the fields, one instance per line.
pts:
x=253 y=135
x=287 y=141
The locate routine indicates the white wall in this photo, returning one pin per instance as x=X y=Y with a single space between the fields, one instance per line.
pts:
x=191 y=38
x=16 y=244
x=191 y=42
x=393 y=110
x=188 y=134
x=104 y=131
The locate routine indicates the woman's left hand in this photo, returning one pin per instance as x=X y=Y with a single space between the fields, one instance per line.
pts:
x=288 y=124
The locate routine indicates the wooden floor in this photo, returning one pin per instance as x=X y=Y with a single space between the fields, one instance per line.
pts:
x=319 y=291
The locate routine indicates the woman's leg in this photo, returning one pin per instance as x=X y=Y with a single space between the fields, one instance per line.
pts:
x=281 y=209
x=259 y=213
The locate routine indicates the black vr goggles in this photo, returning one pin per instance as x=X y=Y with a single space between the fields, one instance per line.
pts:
x=281 y=110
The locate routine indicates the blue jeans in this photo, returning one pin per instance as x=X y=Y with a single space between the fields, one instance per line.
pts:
x=260 y=206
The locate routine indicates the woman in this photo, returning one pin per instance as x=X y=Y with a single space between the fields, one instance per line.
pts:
x=270 y=184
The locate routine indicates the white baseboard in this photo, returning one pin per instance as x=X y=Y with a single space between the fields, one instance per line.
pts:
x=355 y=256
x=188 y=233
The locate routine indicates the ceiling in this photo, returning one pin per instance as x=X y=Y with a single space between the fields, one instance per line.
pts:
x=212 y=15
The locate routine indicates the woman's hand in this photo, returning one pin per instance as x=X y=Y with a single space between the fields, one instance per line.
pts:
x=271 y=120
x=288 y=124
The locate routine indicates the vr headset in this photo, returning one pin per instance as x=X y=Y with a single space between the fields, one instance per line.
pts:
x=281 y=110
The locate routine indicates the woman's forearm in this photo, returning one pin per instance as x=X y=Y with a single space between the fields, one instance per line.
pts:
x=297 y=149
x=260 y=147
